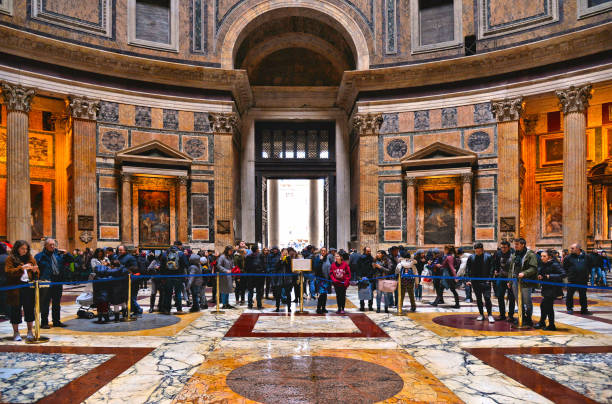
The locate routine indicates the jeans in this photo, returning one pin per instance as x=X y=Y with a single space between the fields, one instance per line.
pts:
x=596 y=275
x=311 y=285
x=526 y=300
x=224 y=299
x=483 y=289
x=155 y=287
x=388 y=299
x=172 y=285
x=500 y=291
x=257 y=284
x=135 y=306
x=26 y=300
x=468 y=292
x=53 y=295
x=195 y=292
x=418 y=292
x=278 y=294
x=569 y=300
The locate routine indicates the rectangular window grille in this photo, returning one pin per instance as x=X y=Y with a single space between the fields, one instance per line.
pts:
x=307 y=141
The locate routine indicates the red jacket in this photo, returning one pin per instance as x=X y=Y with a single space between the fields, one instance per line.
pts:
x=340 y=274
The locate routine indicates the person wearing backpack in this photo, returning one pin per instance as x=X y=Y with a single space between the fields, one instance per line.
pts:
x=340 y=275
x=406 y=266
x=195 y=282
x=171 y=264
x=254 y=265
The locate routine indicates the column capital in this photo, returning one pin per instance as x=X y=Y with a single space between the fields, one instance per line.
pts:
x=17 y=97
x=575 y=99
x=126 y=177
x=182 y=181
x=367 y=124
x=466 y=178
x=411 y=181
x=508 y=109
x=83 y=107
x=529 y=122
x=223 y=122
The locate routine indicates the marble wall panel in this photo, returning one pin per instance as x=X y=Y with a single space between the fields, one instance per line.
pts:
x=487 y=233
x=465 y=115
x=393 y=235
x=84 y=10
x=185 y=121
x=484 y=208
x=200 y=122
x=157 y=118
x=450 y=138
x=170 y=117
x=483 y=114
x=109 y=232
x=449 y=117
x=127 y=114
x=392 y=211
x=395 y=148
x=393 y=188
x=112 y=140
x=196 y=147
x=107 y=182
x=109 y=112
x=390 y=123
x=142 y=116
x=421 y=120
x=108 y=206
x=406 y=121
x=481 y=140
x=485 y=182
x=435 y=119
x=139 y=137
x=502 y=12
x=200 y=234
x=199 y=187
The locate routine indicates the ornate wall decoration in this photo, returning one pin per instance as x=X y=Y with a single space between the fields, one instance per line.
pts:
x=223 y=122
x=484 y=208
x=154 y=217
x=83 y=107
x=449 y=117
x=113 y=141
x=551 y=149
x=109 y=112
x=143 y=116
x=393 y=211
x=109 y=208
x=390 y=18
x=439 y=217
x=482 y=113
x=86 y=236
x=16 y=97
x=575 y=99
x=397 y=148
x=199 y=30
x=496 y=18
x=170 y=117
x=479 y=141
x=390 y=123
x=421 y=120
x=199 y=210
x=41 y=149
x=195 y=147
x=200 y=122
x=368 y=227
x=367 y=124
x=509 y=109
x=552 y=211
x=92 y=17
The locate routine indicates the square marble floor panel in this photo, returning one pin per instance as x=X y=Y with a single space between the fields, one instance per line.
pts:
x=305 y=324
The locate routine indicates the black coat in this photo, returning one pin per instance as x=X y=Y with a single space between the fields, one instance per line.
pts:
x=114 y=291
x=364 y=266
x=553 y=269
x=254 y=263
x=577 y=268
x=283 y=267
x=472 y=270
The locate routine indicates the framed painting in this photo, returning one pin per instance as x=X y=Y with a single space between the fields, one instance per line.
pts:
x=439 y=216
x=154 y=217
x=552 y=211
x=551 y=149
x=36 y=201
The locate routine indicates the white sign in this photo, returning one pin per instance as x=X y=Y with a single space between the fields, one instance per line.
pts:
x=301 y=265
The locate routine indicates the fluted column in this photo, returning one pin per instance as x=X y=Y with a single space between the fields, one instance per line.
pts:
x=84 y=112
x=225 y=174
x=466 y=209
x=529 y=213
x=127 y=233
x=366 y=127
x=313 y=220
x=574 y=102
x=411 y=234
x=273 y=213
x=18 y=210
x=508 y=113
x=182 y=209
x=61 y=181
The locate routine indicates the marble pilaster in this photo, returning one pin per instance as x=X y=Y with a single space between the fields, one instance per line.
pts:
x=508 y=113
x=182 y=209
x=574 y=102
x=61 y=180
x=18 y=210
x=529 y=205
x=411 y=213
x=313 y=219
x=84 y=113
x=366 y=127
x=466 y=209
x=273 y=229
x=126 y=209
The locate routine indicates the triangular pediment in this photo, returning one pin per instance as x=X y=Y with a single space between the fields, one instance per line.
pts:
x=154 y=152
x=439 y=154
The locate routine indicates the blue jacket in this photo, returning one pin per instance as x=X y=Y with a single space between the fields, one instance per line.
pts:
x=127 y=260
x=43 y=260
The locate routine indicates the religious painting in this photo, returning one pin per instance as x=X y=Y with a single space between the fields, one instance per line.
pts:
x=36 y=205
x=154 y=217
x=551 y=150
x=552 y=211
x=439 y=216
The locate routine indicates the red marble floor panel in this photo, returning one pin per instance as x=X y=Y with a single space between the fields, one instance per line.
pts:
x=554 y=391
x=84 y=386
x=243 y=327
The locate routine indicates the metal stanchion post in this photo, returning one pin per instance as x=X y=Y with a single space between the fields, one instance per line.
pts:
x=38 y=339
x=519 y=300
x=218 y=297
x=129 y=302
x=400 y=297
x=301 y=293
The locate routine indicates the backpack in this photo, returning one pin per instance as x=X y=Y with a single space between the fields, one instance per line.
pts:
x=173 y=261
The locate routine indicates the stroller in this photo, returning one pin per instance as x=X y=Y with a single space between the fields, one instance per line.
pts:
x=86 y=302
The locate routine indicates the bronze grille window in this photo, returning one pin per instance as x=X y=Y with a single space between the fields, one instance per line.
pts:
x=294 y=141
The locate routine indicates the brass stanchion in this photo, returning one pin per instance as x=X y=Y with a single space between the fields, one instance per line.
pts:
x=218 y=298
x=38 y=339
x=519 y=300
x=301 y=294
x=400 y=297
x=129 y=302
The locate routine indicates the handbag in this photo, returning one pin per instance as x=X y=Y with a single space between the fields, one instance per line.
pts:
x=387 y=285
x=426 y=272
x=365 y=293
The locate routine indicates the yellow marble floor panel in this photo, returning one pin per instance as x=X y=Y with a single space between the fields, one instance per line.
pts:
x=426 y=320
x=208 y=384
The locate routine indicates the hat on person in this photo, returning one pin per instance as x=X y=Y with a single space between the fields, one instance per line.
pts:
x=203 y=260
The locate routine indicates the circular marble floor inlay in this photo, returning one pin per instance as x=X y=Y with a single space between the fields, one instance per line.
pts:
x=469 y=322
x=314 y=379
x=146 y=322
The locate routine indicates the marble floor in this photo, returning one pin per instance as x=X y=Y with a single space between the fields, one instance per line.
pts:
x=434 y=355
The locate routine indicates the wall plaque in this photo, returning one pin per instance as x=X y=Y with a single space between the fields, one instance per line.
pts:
x=86 y=222
x=223 y=227
x=369 y=226
x=507 y=224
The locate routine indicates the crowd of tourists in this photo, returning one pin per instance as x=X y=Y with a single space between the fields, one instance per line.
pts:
x=252 y=275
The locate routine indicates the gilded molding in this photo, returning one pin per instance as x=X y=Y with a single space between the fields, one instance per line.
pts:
x=83 y=107
x=509 y=109
x=223 y=122
x=17 y=97
x=367 y=124
x=575 y=99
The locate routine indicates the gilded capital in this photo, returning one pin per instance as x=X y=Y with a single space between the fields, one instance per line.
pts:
x=16 y=97
x=411 y=181
x=529 y=123
x=223 y=122
x=83 y=108
x=126 y=177
x=467 y=178
x=367 y=124
x=182 y=181
x=509 y=109
x=575 y=99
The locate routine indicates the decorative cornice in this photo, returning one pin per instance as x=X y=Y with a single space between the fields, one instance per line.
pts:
x=467 y=178
x=575 y=99
x=16 y=97
x=83 y=108
x=367 y=124
x=509 y=109
x=223 y=122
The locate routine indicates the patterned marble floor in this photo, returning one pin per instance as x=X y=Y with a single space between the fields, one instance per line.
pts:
x=437 y=354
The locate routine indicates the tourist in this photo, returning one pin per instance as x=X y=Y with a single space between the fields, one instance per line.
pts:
x=129 y=261
x=354 y=257
x=195 y=282
x=265 y=254
x=21 y=268
x=577 y=267
x=382 y=268
x=449 y=263
x=464 y=255
x=225 y=263
x=550 y=271
x=241 y=282
x=254 y=264
x=524 y=266
x=4 y=310
x=340 y=275
x=605 y=268
x=323 y=285
x=317 y=266
x=156 y=283
x=282 y=282
x=407 y=266
x=480 y=265
x=205 y=281
x=420 y=262
x=502 y=263
x=596 y=267
x=271 y=260
x=365 y=269
x=50 y=262
x=394 y=257
x=110 y=254
x=435 y=266
x=98 y=259
x=171 y=263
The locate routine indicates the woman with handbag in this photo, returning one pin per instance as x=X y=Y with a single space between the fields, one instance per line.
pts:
x=340 y=275
x=550 y=271
x=20 y=268
x=384 y=287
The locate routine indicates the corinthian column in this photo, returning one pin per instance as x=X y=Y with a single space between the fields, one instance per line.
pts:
x=226 y=177
x=466 y=207
x=411 y=235
x=61 y=180
x=182 y=211
x=313 y=219
x=273 y=214
x=126 y=209
x=18 y=209
x=366 y=127
x=84 y=112
x=574 y=102
x=508 y=113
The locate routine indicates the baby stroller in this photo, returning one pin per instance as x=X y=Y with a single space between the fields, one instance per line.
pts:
x=86 y=302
